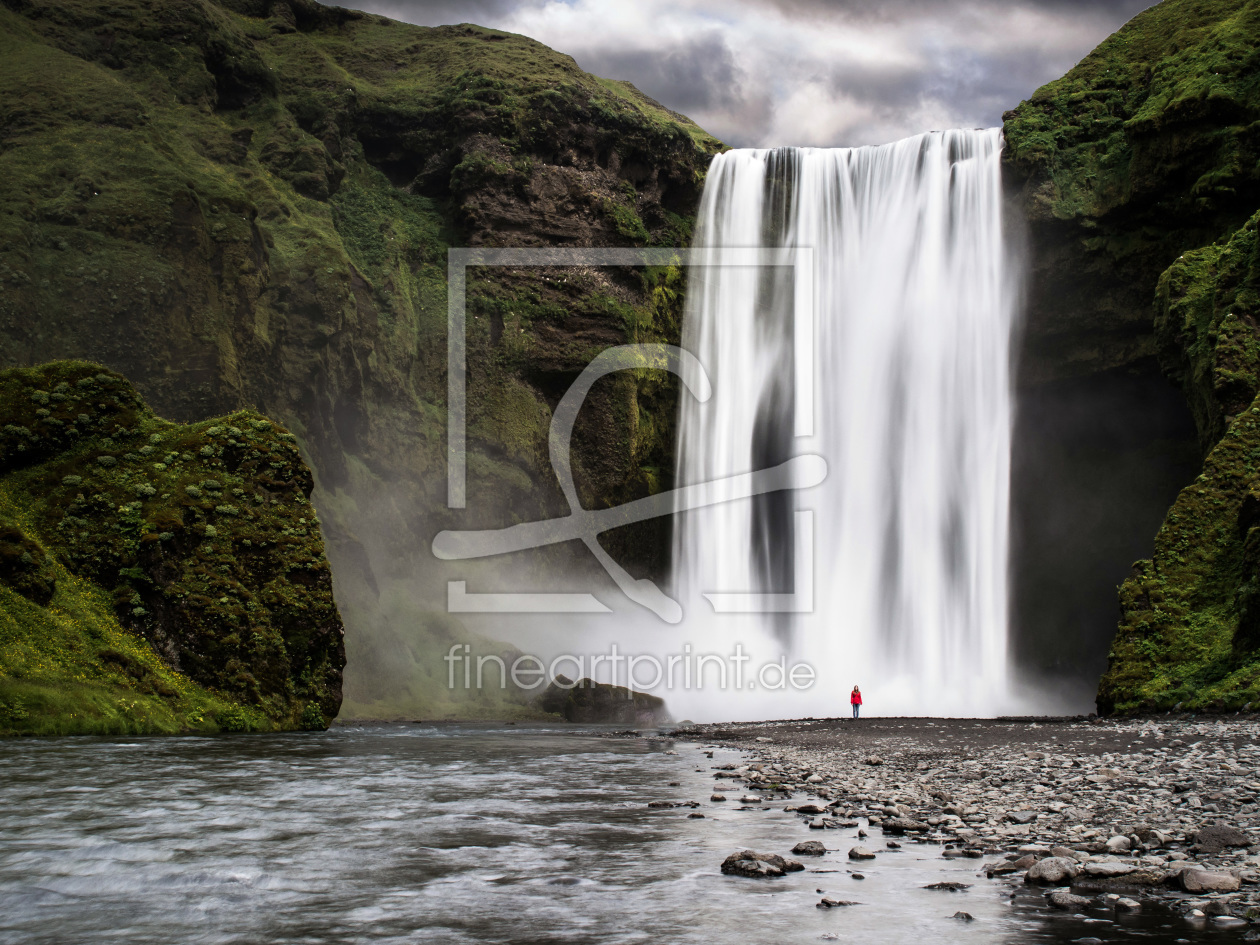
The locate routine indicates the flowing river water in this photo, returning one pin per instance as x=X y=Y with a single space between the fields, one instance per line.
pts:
x=453 y=834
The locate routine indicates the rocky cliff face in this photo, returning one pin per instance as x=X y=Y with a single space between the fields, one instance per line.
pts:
x=1144 y=150
x=156 y=576
x=249 y=202
x=1137 y=173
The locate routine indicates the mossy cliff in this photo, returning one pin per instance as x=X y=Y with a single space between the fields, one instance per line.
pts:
x=1189 y=632
x=249 y=202
x=156 y=576
x=1147 y=148
x=1139 y=175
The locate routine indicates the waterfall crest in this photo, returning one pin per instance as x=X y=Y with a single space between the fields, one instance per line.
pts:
x=909 y=352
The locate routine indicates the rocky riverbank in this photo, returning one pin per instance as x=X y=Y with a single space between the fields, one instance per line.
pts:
x=1106 y=815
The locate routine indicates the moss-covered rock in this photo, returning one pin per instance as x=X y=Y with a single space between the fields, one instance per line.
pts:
x=1139 y=173
x=1207 y=325
x=174 y=569
x=1146 y=149
x=1189 y=630
x=249 y=202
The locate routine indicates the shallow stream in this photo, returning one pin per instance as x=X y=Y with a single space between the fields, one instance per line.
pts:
x=453 y=834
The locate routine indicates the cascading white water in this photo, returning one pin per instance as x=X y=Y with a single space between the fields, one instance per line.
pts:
x=913 y=313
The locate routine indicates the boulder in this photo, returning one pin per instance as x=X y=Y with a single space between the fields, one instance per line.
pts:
x=860 y=853
x=1217 y=837
x=1108 y=868
x=809 y=848
x=591 y=702
x=1119 y=845
x=811 y=809
x=1207 y=881
x=1052 y=871
x=1066 y=900
x=898 y=825
x=759 y=865
x=1228 y=922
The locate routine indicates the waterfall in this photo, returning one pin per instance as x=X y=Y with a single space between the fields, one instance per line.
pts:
x=903 y=547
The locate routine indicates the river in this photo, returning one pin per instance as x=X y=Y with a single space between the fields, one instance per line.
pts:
x=452 y=834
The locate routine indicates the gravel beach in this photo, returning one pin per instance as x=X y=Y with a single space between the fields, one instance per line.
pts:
x=1099 y=812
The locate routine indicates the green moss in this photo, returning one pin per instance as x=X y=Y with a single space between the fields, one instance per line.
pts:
x=626 y=221
x=1144 y=151
x=1189 y=632
x=1167 y=98
x=111 y=564
x=249 y=202
x=1206 y=317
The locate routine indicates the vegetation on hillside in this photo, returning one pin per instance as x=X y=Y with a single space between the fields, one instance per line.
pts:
x=1189 y=631
x=249 y=202
x=155 y=576
x=1145 y=149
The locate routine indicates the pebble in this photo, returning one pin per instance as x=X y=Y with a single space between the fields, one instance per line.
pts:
x=1170 y=805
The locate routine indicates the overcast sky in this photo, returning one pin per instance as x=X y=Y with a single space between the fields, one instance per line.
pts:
x=808 y=72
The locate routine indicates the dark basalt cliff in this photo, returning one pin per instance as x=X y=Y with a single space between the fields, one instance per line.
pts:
x=1138 y=172
x=248 y=203
x=156 y=576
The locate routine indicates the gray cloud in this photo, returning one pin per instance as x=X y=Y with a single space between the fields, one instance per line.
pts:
x=697 y=74
x=819 y=72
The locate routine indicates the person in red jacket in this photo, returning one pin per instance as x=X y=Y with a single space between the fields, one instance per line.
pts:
x=855 y=700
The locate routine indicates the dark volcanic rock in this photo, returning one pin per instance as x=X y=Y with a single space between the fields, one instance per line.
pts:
x=759 y=865
x=1214 y=838
x=592 y=702
x=1052 y=871
x=1062 y=899
x=809 y=848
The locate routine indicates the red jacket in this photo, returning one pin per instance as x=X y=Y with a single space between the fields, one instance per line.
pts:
x=855 y=698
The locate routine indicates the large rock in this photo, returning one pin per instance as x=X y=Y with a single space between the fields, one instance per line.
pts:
x=900 y=825
x=1207 y=881
x=186 y=553
x=809 y=848
x=1065 y=899
x=759 y=865
x=1108 y=868
x=599 y=703
x=860 y=853
x=1052 y=871
x=1214 y=838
